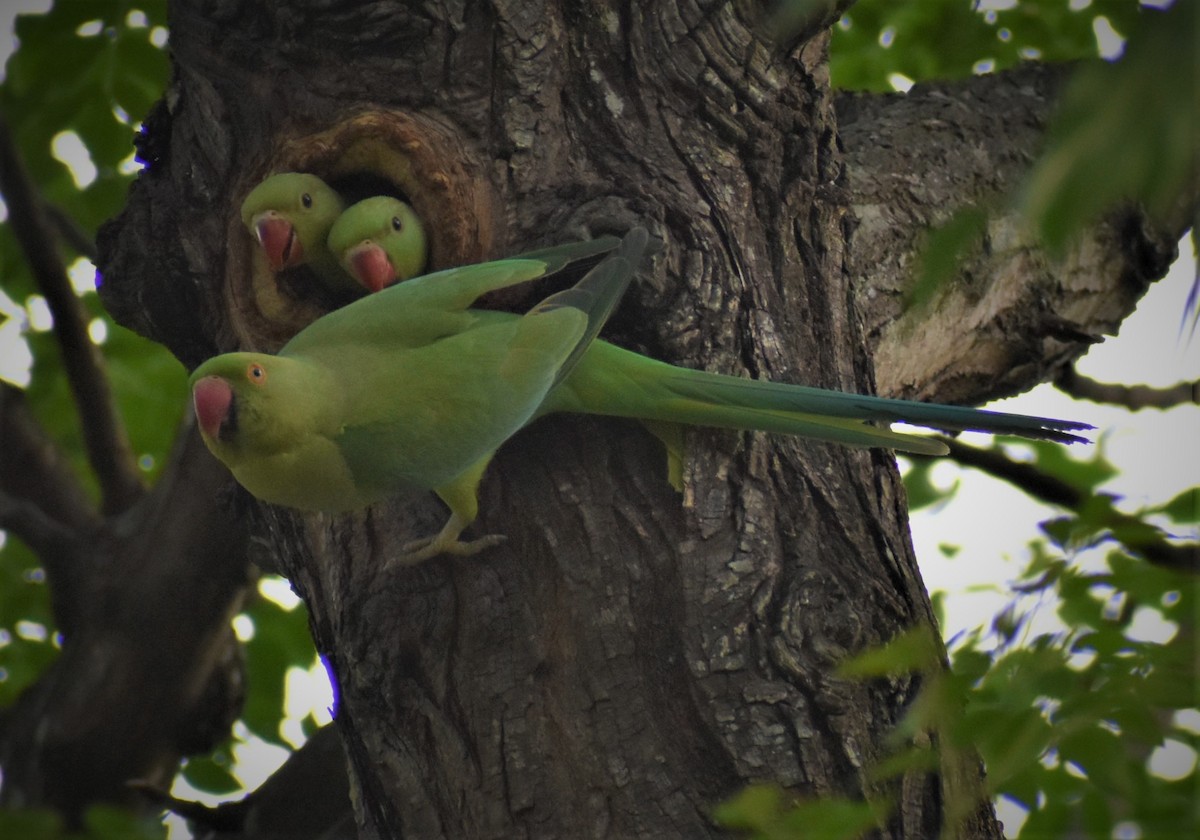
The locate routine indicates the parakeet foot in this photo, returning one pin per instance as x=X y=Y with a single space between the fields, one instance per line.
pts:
x=446 y=541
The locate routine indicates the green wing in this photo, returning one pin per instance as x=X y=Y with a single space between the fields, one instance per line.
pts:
x=425 y=413
x=433 y=306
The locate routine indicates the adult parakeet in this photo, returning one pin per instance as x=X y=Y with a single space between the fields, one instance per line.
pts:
x=290 y=215
x=355 y=237
x=411 y=389
x=405 y=390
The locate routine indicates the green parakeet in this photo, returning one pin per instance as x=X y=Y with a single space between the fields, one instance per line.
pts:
x=290 y=214
x=411 y=389
x=355 y=236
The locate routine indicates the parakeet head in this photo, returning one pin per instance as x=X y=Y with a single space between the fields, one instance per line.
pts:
x=380 y=241
x=251 y=404
x=290 y=215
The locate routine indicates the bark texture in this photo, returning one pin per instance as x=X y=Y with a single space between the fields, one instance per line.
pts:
x=150 y=670
x=1012 y=315
x=629 y=657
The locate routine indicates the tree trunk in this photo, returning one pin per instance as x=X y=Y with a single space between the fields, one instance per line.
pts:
x=631 y=656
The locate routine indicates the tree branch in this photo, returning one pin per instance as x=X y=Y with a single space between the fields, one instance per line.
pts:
x=59 y=549
x=43 y=504
x=1010 y=316
x=103 y=433
x=70 y=232
x=34 y=467
x=1055 y=491
x=1133 y=397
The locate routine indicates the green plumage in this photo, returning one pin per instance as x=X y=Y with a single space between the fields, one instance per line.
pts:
x=290 y=215
x=411 y=389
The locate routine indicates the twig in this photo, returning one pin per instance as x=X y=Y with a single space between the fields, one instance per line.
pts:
x=1133 y=397
x=103 y=433
x=1055 y=491
x=71 y=233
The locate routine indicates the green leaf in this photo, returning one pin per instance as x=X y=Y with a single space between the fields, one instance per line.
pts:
x=281 y=641
x=752 y=809
x=760 y=811
x=1100 y=754
x=1084 y=475
x=943 y=252
x=24 y=596
x=830 y=819
x=913 y=650
x=950 y=39
x=919 y=487
x=211 y=773
x=104 y=822
x=1185 y=507
x=1124 y=131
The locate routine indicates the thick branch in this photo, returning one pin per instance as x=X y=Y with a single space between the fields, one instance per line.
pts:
x=103 y=434
x=151 y=671
x=42 y=502
x=1054 y=491
x=1011 y=317
x=34 y=467
x=1133 y=397
x=307 y=798
x=48 y=538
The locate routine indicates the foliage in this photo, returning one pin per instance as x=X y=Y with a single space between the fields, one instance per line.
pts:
x=115 y=73
x=763 y=812
x=1068 y=719
x=1125 y=129
x=279 y=641
x=876 y=40
x=99 y=823
x=117 y=70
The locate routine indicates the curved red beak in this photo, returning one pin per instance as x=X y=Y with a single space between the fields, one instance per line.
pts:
x=212 y=398
x=278 y=239
x=370 y=266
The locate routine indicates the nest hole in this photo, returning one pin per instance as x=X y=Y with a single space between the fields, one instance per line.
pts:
x=416 y=158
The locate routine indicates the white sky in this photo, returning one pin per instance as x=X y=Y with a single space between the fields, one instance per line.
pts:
x=1157 y=452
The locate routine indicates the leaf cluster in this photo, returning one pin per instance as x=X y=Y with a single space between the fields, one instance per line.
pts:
x=877 y=40
x=115 y=71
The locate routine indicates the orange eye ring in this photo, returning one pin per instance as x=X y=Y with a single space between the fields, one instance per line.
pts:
x=256 y=373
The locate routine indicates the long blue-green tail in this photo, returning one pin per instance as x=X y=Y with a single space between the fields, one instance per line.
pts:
x=612 y=381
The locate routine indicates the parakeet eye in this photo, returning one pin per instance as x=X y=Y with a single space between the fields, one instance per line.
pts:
x=306 y=200
x=397 y=225
x=256 y=373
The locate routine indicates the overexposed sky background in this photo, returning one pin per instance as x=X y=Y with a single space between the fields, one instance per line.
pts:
x=1157 y=453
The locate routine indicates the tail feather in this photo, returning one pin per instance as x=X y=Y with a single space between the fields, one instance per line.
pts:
x=598 y=293
x=847 y=431
x=612 y=381
x=717 y=390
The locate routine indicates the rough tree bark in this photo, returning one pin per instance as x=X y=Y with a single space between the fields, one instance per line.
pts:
x=630 y=656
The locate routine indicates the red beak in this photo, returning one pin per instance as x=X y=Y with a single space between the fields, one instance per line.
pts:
x=278 y=240
x=370 y=266
x=212 y=397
